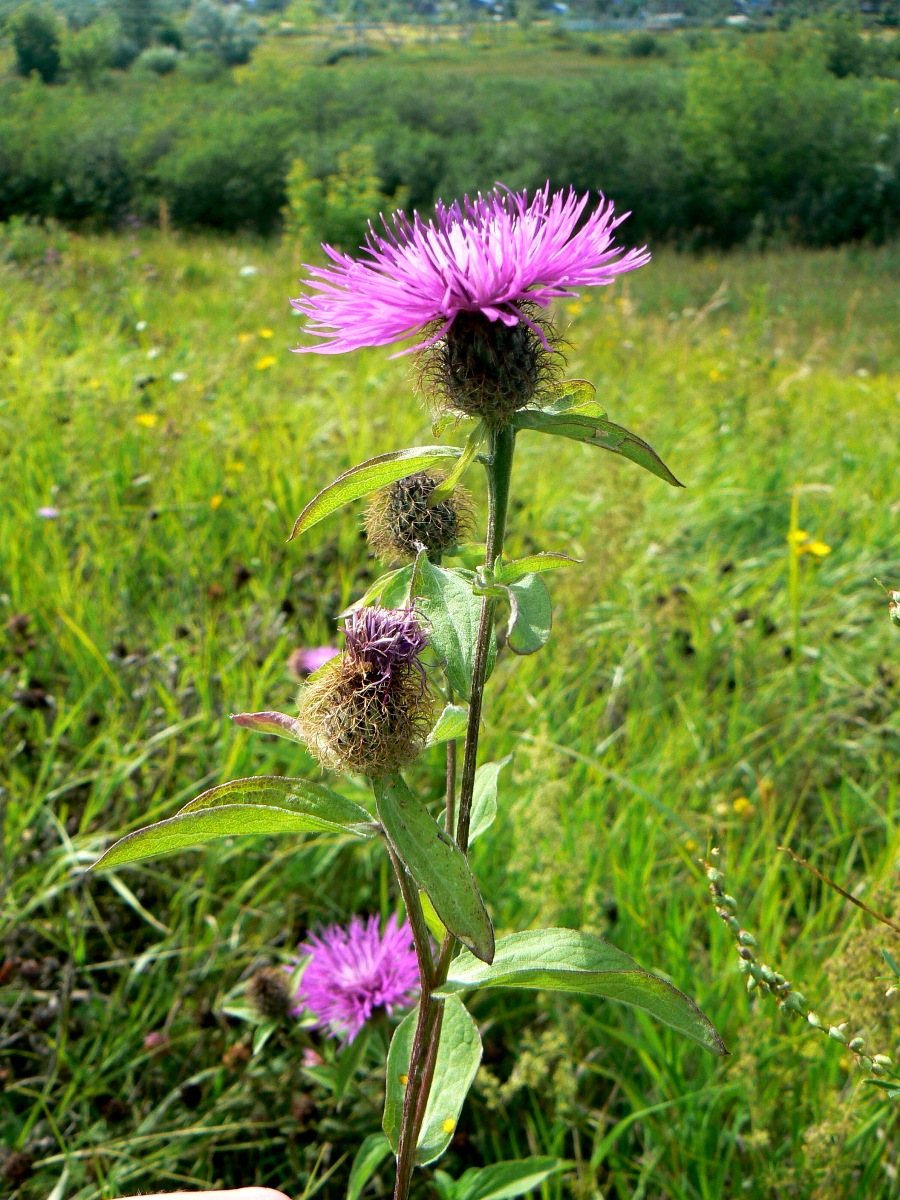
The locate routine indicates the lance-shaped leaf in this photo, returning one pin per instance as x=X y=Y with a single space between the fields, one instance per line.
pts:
x=264 y=804
x=531 y=615
x=484 y=797
x=458 y=1057
x=512 y=572
x=564 y=960
x=503 y=1180
x=436 y=864
x=330 y=811
x=186 y=831
x=450 y=725
x=453 y=611
x=369 y=1156
x=595 y=430
x=367 y=477
x=270 y=722
x=447 y=487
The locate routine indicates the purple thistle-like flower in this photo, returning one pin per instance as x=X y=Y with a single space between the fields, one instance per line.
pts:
x=354 y=971
x=386 y=638
x=490 y=255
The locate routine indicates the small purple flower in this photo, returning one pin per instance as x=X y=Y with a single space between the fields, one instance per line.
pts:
x=354 y=971
x=386 y=638
x=48 y=513
x=489 y=255
x=308 y=659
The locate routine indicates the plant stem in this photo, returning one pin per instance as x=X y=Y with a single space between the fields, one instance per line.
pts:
x=423 y=1055
x=500 y=460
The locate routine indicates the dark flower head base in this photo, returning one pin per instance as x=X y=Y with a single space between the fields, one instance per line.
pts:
x=489 y=370
x=399 y=521
x=369 y=711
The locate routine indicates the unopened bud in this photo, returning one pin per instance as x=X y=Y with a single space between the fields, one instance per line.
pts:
x=884 y=1059
x=400 y=521
x=746 y=939
x=856 y=1044
x=269 y=993
x=815 y=1020
x=838 y=1035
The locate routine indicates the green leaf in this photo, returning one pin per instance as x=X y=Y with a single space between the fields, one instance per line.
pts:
x=270 y=722
x=327 y=811
x=436 y=864
x=504 y=1180
x=531 y=615
x=372 y=1152
x=450 y=725
x=595 y=430
x=389 y=591
x=462 y=464
x=453 y=612
x=367 y=477
x=436 y=926
x=564 y=960
x=458 y=1057
x=573 y=395
x=349 y=1061
x=512 y=572
x=189 y=830
x=261 y=1035
x=484 y=797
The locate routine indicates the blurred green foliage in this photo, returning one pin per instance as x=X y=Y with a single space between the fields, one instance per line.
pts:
x=777 y=137
x=150 y=397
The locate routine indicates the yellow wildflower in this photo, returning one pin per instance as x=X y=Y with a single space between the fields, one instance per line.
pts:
x=819 y=549
x=245 y=337
x=148 y=420
x=268 y=360
x=742 y=807
x=798 y=537
x=216 y=502
x=715 y=375
x=266 y=333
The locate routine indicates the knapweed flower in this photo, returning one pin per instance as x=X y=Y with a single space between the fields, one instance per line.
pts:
x=306 y=660
x=369 y=709
x=355 y=972
x=48 y=512
x=471 y=282
x=399 y=521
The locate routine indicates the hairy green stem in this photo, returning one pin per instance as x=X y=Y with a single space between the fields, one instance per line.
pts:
x=423 y=1055
x=500 y=460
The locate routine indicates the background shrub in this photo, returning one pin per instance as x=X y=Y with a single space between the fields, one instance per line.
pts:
x=35 y=38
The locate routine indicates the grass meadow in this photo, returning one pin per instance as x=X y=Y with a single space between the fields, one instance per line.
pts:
x=690 y=696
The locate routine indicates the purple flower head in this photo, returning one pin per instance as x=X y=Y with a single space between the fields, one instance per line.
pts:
x=308 y=659
x=354 y=971
x=386 y=638
x=487 y=255
x=48 y=512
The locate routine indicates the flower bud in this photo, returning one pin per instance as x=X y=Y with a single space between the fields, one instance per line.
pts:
x=489 y=369
x=269 y=993
x=369 y=710
x=399 y=521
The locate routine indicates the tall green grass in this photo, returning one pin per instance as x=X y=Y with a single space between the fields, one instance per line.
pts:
x=686 y=699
